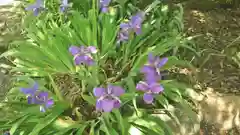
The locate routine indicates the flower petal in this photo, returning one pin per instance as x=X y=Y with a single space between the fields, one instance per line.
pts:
x=74 y=50
x=31 y=90
x=143 y=86
x=88 y=60
x=31 y=7
x=152 y=77
x=115 y=90
x=123 y=35
x=151 y=58
x=65 y=2
x=98 y=105
x=49 y=103
x=39 y=2
x=124 y=26
x=99 y=91
x=62 y=8
x=79 y=59
x=147 y=69
x=162 y=62
x=138 y=31
x=36 y=11
x=35 y=86
x=42 y=109
x=105 y=2
x=27 y=91
x=30 y=100
x=43 y=96
x=92 y=49
x=156 y=88
x=107 y=105
x=104 y=9
x=148 y=98
x=136 y=19
x=117 y=104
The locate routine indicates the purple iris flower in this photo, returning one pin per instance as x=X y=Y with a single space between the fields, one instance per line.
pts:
x=37 y=97
x=104 y=5
x=108 y=98
x=30 y=91
x=82 y=54
x=64 y=5
x=152 y=75
x=123 y=34
x=36 y=7
x=154 y=65
x=136 y=22
x=42 y=99
x=150 y=89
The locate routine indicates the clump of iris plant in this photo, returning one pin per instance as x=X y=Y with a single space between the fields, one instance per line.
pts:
x=150 y=86
x=104 y=5
x=135 y=25
x=136 y=22
x=64 y=6
x=82 y=54
x=38 y=97
x=36 y=7
x=108 y=98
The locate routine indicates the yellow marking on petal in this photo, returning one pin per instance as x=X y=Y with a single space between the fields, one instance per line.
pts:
x=126 y=20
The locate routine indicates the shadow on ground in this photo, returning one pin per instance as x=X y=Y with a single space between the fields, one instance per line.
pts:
x=219 y=45
x=218 y=65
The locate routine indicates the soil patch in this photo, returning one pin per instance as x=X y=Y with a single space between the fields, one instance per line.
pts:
x=218 y=41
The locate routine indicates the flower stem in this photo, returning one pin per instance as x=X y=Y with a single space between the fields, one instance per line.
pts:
x=55 y=88
x=127 y=49
x=83 y=86
x=95 y=36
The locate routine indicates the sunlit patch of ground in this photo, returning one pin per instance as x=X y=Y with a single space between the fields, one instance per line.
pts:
x=6 y=2
x=216 y=114
x=220 y=110
x=219 y=44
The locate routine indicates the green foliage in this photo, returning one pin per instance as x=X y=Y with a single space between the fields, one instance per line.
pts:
x=44 y=57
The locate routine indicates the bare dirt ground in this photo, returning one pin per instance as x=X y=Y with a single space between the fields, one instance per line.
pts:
x=10 y=20
x=218 y=42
